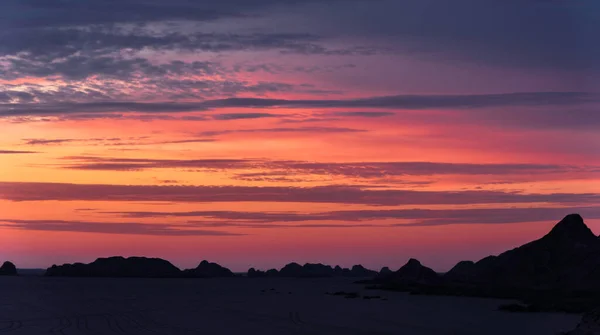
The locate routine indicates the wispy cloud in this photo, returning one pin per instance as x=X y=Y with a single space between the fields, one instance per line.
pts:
x=350 y=169
x=123 y=228
x=110 y=142
x=373 y=114
x=17 y=152
x=25 y=191
x=320 y=130
x=417 y=216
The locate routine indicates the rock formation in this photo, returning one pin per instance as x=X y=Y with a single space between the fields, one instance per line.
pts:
x=567 y=257
x=8 y=269
x=558 y=272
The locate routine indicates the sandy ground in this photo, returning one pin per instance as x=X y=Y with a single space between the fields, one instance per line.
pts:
x=65 y=306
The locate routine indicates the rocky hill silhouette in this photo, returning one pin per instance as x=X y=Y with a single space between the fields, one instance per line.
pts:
x=139 y=267
x=8 y=269
x=207 y=269
x=560 y=271
x=567 y=257
x=312 y=270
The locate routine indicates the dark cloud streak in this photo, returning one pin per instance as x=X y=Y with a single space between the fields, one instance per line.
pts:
x=23 y=191
x=17 y=152
x=123 y=228
x=411 y=102
x=349 y=169
x=418 y=217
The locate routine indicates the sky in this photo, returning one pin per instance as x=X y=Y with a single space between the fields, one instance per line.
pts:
x=254 y=133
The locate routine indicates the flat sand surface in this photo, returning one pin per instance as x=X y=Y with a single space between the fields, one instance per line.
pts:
x=96 y=306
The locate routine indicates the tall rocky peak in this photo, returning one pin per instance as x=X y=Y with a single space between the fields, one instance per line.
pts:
x=572 y=228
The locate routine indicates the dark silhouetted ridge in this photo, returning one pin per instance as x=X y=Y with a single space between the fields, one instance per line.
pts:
x=567 y=257
x=8 y=269
x=558 y=272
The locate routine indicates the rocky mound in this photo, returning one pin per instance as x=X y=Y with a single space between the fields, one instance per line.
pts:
x=208 y=270
x=117 y=267
x=8 y=269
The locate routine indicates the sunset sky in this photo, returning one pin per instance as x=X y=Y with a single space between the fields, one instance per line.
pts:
x=254 y=133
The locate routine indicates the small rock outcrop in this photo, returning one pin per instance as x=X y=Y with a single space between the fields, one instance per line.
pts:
x=117 y=267
x=207 y=269
x=8 y=269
